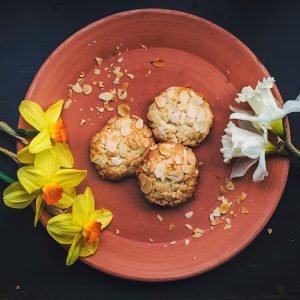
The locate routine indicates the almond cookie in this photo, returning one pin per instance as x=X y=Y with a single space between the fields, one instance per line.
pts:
x=168 y=174
x=180 y=115
x=119 y=147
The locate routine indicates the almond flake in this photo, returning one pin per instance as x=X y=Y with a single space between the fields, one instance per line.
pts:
x=188 y=226
x=97 y=71
x=197 y=232
x=229 y=185
x=160 y=170
x=228 y=221
x=87 y=89
x=186 y=169
x=216 y=212
x=186 y=242
x=244 y=210
x=139 y=124
x=120 y=59
x=216 y=221
x=270 y=230
x=98 y=60
x=122 y=95
x=173 y=243
x=189 y=214
x=222 y=190
x=157 y=62
x=225 y=207
x=81 y=75
x=227 y=226
x=171 y=227
x=123 y=110
x=147 y=187
x=143 y=46
x=151 y=240
x=101 y=84
x=106 y=96
x=159 y=218
x=82 y=121
x=68 y=104
x=77 y=88
x=160 y=101
x=117 y=231
x=241 y=198
x=211 y=218
x=116 y=161
x=131 y=76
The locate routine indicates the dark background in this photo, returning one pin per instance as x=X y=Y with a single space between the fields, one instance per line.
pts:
x=30 y=259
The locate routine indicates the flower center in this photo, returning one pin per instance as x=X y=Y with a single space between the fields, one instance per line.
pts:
x=52 y=193
x=91 y=231
x=58 y=132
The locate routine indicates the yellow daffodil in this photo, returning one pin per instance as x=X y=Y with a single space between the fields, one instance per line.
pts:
x=52 y=132
x=81 y=228
x=45 y=182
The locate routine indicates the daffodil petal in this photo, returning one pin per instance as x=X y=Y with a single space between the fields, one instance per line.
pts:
x=33 y=114
x=32 y=179
x=71 y=191
x=62 y=229
x=41 y=142
x=103 y=216
x=64 y=155
x=47 y=162
x=15 y=196
x=89 y=194
x=82 y=209
x=69 y=177
x=54 y=111
x=25 y=157
x=65 y=201
x=88 y=249
x=39 y=208
x=74 y=250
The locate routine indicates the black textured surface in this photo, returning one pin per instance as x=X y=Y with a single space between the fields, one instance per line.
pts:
x=267 y=269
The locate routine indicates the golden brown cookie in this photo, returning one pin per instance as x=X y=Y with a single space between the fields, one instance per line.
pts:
x=180 y=115
x=119 y=147
x=168 y=174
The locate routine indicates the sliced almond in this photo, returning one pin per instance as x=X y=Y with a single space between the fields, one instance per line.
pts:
x=120 y=59
x=160 y=170
x=216 y=221
x=225 y=207
x=188 y=226
x=139 y=124
x=186 y=169
x=178 y=160
x=159 y=217
x=270 y=230
x=123 y=150
x=158 y=62
x=97 y=71
x=222 y=190
x=186 y=242
x=171 y=227
x=125 y=127
x=227 y=226
x=165 y=149
x=197 y=232
x=116 y=161
x=229 y=185
x=131 y=76
x=160 y=101
x=122 y=95
x=112 y=147
x=147 y=187
x=176 y=176
x=117 y=231
x=87 y=89
x=98 y=60
x=191 y=158
x=184 y=97
x=241 y=198
x=244 y=210
x=106 y=96
x=123 y=110
x=189 y=214
x=77 y=88
x=143 y=179
x=216 y=212
x=67 y=104
x=143 y=46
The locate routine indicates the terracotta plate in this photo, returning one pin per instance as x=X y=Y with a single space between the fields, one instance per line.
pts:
x=195 y=52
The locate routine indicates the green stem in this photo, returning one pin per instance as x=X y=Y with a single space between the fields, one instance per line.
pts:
x=6 y=178
x=27 y=132
x=291 y=148
x=12 y=155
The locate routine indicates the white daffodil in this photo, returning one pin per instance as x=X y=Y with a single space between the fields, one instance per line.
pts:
x=249 y=147
x=268 y=112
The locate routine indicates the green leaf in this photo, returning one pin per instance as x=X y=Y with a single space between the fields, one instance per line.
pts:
x=27 y=132
x=6 y=178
